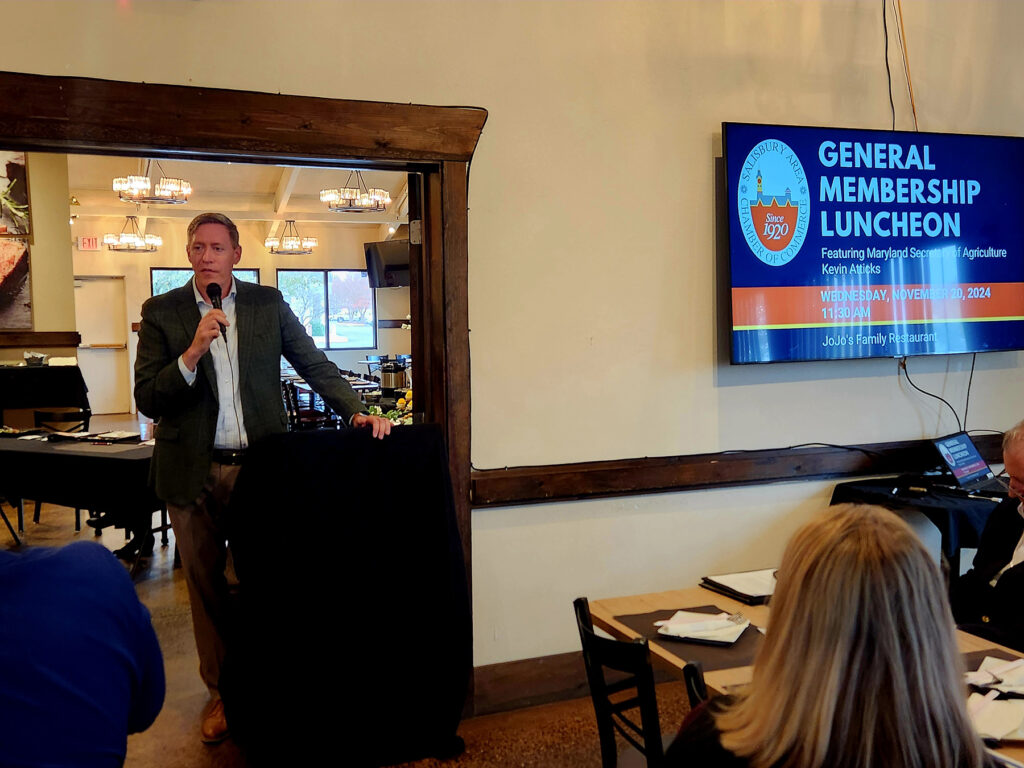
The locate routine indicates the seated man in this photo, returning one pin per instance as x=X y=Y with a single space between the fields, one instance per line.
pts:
x=80 y=666
x=988 y=599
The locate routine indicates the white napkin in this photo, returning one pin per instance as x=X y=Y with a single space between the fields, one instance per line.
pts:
x=1010 y=673
x=702 y=626
x=695 y=621
x=996 y=719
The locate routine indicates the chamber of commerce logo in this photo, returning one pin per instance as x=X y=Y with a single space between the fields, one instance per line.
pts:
x=774 y=214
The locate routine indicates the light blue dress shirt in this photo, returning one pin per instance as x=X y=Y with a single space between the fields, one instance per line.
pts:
x=230 y=432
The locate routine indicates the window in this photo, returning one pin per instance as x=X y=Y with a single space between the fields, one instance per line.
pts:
x=164 y=279
x=336 y=306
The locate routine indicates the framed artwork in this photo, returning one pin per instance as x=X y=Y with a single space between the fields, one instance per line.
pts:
x=15 y=290
x=15 y=219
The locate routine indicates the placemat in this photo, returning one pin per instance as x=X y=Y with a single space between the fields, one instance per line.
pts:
x=740 y=653
x=84 y=447
x=711 y=657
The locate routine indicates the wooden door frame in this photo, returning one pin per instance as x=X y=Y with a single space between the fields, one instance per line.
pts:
x=84 y=115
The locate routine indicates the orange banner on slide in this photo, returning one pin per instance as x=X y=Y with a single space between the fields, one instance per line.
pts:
x=819 y=306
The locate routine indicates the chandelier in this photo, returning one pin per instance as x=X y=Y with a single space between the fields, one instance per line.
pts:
x=131 y=240
x=139 y=189
x=355 y=199
x=290 y=243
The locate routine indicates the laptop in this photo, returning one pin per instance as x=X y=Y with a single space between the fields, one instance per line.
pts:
x=969 y=470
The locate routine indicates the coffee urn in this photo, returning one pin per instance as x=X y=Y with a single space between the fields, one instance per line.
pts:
x=392 y=378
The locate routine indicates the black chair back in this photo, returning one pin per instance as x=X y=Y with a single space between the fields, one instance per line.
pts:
x=63 y=419
x=612 y=700
x=693 y=678
x=60 y=420
x=374 y=361
x=291 y=404
x=305 y=418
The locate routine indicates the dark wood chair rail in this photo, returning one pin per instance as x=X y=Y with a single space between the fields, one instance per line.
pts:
x=41 y=339
x=595 y=479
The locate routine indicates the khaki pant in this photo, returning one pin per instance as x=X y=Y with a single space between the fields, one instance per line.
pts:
x=200 y=536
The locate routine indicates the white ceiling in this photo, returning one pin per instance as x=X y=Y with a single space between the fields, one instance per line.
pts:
x=243 y=191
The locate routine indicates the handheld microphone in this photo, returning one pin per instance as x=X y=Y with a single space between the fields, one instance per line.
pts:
x=213 y=290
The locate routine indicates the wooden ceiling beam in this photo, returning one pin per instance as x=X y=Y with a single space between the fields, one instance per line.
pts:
x=398 y=212
x=48 y=112
x=285 y=187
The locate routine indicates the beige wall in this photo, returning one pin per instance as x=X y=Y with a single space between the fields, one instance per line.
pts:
x=53 y=295
x=593 y=318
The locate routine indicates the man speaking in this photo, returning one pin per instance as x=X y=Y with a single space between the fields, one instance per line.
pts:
x=208 y=370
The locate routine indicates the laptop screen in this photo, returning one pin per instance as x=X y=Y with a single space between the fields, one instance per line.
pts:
x=964 y=461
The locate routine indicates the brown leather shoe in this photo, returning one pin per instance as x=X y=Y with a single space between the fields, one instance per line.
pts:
x=215 y=726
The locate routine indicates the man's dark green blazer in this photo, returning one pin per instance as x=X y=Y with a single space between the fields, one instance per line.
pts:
x=187 y=415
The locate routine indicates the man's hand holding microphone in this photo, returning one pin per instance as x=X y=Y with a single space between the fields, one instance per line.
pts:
x=211 y=325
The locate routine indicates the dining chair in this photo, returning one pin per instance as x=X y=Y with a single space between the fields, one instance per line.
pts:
x=62 y=420
x=693 y=679
x=374 y=361
x=6 y=520
x=305 y=418
x=612 y=700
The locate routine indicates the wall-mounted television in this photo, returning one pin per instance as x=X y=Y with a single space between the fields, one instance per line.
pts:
x=387 y=263
x=853 y=244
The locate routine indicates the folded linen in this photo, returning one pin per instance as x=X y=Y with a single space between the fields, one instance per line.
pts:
x=702 y=626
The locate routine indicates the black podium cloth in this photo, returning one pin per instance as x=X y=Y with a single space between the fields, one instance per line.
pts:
x=959 y=519
x=352 y=643
x=42 y=386
x=105 y=478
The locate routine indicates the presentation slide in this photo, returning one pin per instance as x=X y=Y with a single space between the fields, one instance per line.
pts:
x=962 y=457
x=849 y=244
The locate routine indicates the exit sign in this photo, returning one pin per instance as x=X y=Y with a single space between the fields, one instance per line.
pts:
x=89 y=243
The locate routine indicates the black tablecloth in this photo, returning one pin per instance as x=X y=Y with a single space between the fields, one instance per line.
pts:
x=42 y=386
x=353 y=641
x=959 y=519
x=105 y=478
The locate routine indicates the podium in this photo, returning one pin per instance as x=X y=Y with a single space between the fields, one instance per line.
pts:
x=352 y=643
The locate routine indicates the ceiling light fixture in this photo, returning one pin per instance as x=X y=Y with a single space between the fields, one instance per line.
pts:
x=355 y=199
x=290 y=243
x=139 y=189
x=131 y=240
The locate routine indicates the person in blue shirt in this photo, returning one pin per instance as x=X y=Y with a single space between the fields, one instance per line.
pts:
x=80 y=665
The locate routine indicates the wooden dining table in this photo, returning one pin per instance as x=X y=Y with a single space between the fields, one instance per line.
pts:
x=672 y=655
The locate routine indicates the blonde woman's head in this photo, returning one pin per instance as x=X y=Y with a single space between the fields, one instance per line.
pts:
x=859 y=666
